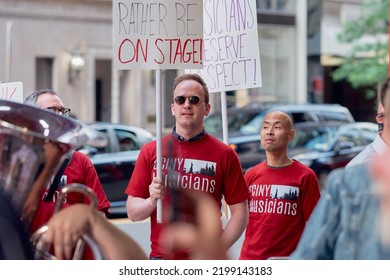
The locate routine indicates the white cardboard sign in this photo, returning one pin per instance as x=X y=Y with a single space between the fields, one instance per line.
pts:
x=158 y=34
x=231 y=57
x=12 y=91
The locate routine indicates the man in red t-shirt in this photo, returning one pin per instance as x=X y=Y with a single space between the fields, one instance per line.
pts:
x=283 y=194
x=192 y=160
x=78 y=170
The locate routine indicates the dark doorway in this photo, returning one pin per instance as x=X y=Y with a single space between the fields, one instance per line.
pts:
x=98 y=100
x=103 y=90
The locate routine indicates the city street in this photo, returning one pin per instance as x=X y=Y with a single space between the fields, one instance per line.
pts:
x=140 y=232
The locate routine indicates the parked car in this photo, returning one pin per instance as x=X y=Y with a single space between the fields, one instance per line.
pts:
x=247 y=120
x=115 y=162
x=323 y=147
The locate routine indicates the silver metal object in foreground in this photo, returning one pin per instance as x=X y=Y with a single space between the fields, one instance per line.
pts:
x=42 y=249
x=33 y=144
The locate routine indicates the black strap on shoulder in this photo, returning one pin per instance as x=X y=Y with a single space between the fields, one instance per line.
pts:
x=54 y=185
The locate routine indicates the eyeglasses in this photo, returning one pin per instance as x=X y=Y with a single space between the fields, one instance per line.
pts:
x=63 y=110
x=180 y=99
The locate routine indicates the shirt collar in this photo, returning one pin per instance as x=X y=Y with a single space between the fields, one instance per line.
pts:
x=195 y=138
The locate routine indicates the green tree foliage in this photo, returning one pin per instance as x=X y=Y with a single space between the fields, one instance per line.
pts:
x=367 y=63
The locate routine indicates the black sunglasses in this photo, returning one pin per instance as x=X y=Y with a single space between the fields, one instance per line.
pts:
x=180 y=99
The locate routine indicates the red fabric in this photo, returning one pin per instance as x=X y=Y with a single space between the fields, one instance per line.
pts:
x=79 y=170
x=206 y=165
x=281 y=201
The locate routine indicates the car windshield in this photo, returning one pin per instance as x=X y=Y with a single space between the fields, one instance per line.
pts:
x=236 y=120
x=253 y=126
x=314 y=138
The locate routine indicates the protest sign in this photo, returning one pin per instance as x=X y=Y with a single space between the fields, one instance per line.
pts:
x=231 y=58
x=12 y=91
x=157 y=34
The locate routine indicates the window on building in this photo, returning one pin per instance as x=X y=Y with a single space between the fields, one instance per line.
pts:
x=276 y=5
x=44 y=72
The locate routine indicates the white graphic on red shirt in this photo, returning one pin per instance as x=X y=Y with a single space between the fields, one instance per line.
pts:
x=275 y=199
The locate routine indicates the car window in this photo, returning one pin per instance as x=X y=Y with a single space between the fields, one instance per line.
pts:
x=299 y=117
x=108 y=147
x=368 y=135
x=127 y=140
x=253 y=126
x=302 y=136
x=314 y=138
x=236 y=121
x=213 y=123
x=333 y=116
x=351 y=135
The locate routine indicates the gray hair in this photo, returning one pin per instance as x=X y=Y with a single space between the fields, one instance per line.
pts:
x=33 y=97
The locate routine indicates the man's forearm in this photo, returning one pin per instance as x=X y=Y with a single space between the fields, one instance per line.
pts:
x=236 y=224
x=139 y=209
x=114 y=243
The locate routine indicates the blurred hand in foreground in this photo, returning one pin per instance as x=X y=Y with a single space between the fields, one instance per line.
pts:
x=68 y=225
x=201 y=235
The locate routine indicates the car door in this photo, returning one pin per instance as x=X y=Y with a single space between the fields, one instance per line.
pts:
x=115 y=164
x=348 y=145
